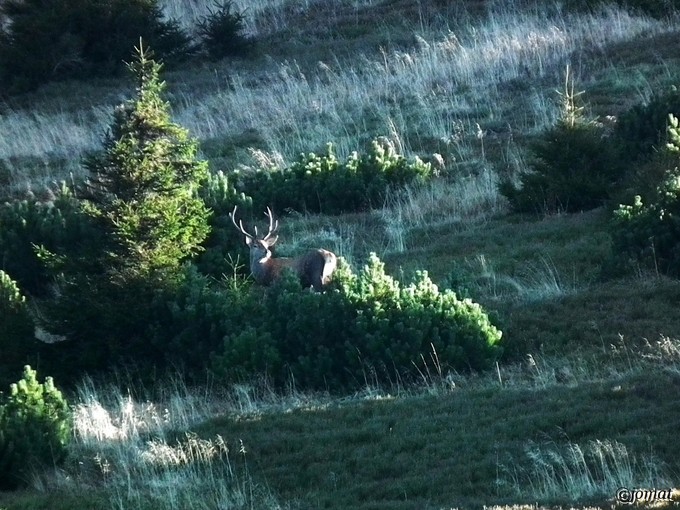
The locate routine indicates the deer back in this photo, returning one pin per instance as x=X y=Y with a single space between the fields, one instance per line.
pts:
x=315 y=268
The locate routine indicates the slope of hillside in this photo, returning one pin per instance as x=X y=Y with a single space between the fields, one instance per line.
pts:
x=583 y=401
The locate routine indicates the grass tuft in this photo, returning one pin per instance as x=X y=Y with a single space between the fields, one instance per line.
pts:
x=134 y=454
x=573 y=472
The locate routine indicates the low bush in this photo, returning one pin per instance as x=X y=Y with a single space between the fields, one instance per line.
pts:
x=640 y=138
x=648 y=233
x=190 y=323
x=35 y=425
x=643 y=177
x=641 y=131
x=17 y=343
x=574 y=167
x=224 y=247
x=322 y=184
x=366 y=325
x=58 y=226
x=367 y=328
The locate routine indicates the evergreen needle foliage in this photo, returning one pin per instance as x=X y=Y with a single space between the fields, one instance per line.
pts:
x=142 y=197
x=573 y=166
x=322 y=183
x=16 y=329
x=144 y=184
x=46 y=40
x=221 y=31
x=369 y=326
x=648 y=234
x=57 y=226
x=35 y=426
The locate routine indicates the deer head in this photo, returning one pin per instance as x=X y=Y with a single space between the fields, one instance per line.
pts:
x=314 y=268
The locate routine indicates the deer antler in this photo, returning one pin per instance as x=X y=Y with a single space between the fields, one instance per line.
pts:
x=239 y=226
x=273 y=224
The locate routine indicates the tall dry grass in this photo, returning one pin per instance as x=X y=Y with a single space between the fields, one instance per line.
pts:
x=538 y=281
x=575 y=472
x=142 y=454
x=440 y=90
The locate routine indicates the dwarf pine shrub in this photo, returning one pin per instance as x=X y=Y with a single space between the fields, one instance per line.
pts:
x=320 y=183
x=224 y=245
x=641 y=131
x=648 y=233
x=368 y=325
x=17 y=344
x=191 y=320
x=34 y=428
x=27 y=225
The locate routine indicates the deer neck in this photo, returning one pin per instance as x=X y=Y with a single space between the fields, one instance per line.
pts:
x=259 y=267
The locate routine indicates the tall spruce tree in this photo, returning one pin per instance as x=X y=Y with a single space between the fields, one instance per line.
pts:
x=142 y=199
x=143 y=187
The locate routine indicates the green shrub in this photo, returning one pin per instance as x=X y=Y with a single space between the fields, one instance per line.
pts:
x=648 y=234
x=17 y=343
x=289 y=333
x=367 y=326
x=34 y=428
x=322 y=184
x=640 y=137
x=224 y=246
x=641 y=131
x=58 y=226
x=401 y=323
x=45 y=40
x=643 y=177
x=191 y=321
x=221 y=32
x=574 y=167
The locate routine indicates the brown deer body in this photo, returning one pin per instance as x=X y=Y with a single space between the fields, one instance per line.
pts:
x=314 y=268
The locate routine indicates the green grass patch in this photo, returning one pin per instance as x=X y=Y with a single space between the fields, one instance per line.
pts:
x=575 y=244
x=624 y=313
x=455 y=449
x=542 y=282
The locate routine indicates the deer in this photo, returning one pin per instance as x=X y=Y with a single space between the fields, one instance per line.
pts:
x=314 y=268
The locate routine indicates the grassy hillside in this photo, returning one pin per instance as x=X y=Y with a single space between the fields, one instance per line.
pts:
x=464 y=448
x=584 y=400
x=565 y=431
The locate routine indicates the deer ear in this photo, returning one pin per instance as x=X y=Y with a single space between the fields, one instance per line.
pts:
x=272 y=241
x=249 y=241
